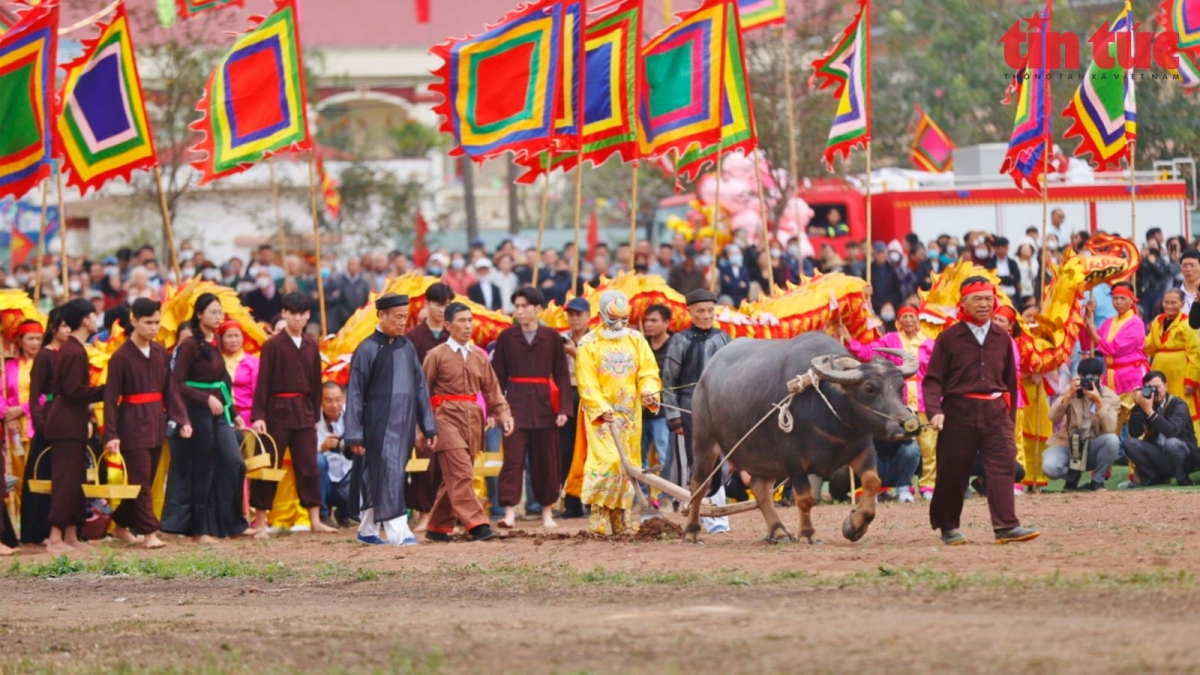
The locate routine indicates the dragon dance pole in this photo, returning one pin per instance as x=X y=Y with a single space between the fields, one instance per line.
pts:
x=1045 y=218
x=62 y=238
x=713 y=273
x=166 y=218
x=870 y=228
x=278 y=220
x=1133 y=201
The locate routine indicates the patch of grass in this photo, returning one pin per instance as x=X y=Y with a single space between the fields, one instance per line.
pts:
x=177 y=567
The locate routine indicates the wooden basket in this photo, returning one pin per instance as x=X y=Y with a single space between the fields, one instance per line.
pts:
x=272 y=471
x=416 y=464
x=39 y=486
x=94 y=490
x=255 y=461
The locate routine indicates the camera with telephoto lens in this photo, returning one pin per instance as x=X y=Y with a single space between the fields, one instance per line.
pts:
x=1149 y=391
x=1087 y=383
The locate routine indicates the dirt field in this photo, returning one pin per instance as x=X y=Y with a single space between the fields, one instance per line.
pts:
x=1109 y=587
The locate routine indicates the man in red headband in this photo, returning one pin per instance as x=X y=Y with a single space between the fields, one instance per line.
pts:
x=970 y=392
x=1121 y=342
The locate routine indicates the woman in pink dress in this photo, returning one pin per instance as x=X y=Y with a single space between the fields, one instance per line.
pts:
x=1121 y=342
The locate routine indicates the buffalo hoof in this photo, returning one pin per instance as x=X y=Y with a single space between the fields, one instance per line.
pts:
x=691 y=534
x=849 y=531
x=780 y=535
x=808 y=534
x=810 y=539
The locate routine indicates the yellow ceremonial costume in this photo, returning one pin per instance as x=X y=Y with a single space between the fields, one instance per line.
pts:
x=1033 y=429
x=1175 y=351
x=286 y=512
x=613 y=368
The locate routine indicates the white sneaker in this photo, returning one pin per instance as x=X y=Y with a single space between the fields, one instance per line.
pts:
x=905 y=495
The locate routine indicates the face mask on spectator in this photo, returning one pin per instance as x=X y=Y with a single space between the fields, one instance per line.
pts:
x=458 y=264
x=110 y=270
x=736 y=260
x=434 y=270
x=704 y=260
x=895 y=257
x=22 y=279
x=951 y=252
x=188 y=272
x=887 y=314
x=262 y=282
x=210 y=274
x=186 y=255
x=75 y=286
x=794 y=251
x=980 y=252
x=325 y=273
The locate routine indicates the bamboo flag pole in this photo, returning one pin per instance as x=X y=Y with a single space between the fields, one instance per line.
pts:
x=714 y=276
x=62 y=237
x=766 y=230
x=667 y=12
x=790 y=96
x=542 y=226
x=278 y=220
x=1133 y=196
x=41 y=250
x=1045 y=217
x=167 y=228
x=633 y=212
x=312 y=194
x=578 y=223
x=870 y=224
x=867 y=95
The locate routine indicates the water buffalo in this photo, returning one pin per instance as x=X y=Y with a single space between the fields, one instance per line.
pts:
x=743 y=381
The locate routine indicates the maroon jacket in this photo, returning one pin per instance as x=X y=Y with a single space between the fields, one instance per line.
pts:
x=424 y=341
x=192 y=364
x=516 y=360
x=41 y=376
x=67 y=416
x=130 y=374
x=960 y=366
x=288 y=393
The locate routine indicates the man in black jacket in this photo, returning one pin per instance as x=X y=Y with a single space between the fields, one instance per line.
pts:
x=1162 y=442
x=1006 y=268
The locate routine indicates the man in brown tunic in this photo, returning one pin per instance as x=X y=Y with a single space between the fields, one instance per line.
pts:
x=138 y=397
x=458 y=372
x=286 y=400
x=531 y=367
x=423 y=485
x=970 y=392
x=67 y=421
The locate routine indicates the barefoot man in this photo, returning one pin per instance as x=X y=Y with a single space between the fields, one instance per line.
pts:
x=67 y=429
x=287 y=401
x=531 y=366
x=138 y=398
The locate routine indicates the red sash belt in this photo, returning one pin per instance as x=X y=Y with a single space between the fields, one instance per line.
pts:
x=549 y=382
x=146 y=397
x=991 y=397
x=438 y=400
x=290 y=394
x=1124 y=364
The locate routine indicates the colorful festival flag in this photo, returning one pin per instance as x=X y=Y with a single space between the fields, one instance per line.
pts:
x=679 y=104
x=254 y=103
x=759 y=13
x=847 y=67
x=1031 y=124
x=189 y=8
x=422 y=11
x=499 y=88
x=1183 y=17
x=8 y=19
x=1103 y=111
x=97 y=139
x=27 y=57
x=738 y=132
x=613 y=74
x=20 y=227
x=329 y=191
x=932 y=149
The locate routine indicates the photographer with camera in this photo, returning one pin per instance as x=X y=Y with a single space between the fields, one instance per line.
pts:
x=1162 y=442
x=333 y=461
x=1154 y=273
x=1087 y=440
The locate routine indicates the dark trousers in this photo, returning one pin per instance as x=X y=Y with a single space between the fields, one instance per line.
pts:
x=68 y=472
x=205 y=484
x=303 y=444
x=35 y=507
x=541 y=446
x=1156 y=463
x=956 y=448
x=423 y=485
x=141 y=464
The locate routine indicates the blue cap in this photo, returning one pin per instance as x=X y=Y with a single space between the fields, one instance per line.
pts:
x=110 y=260
x=579 y=305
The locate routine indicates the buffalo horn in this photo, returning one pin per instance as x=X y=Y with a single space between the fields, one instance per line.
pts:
x=824 y=367
x=910 y=365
